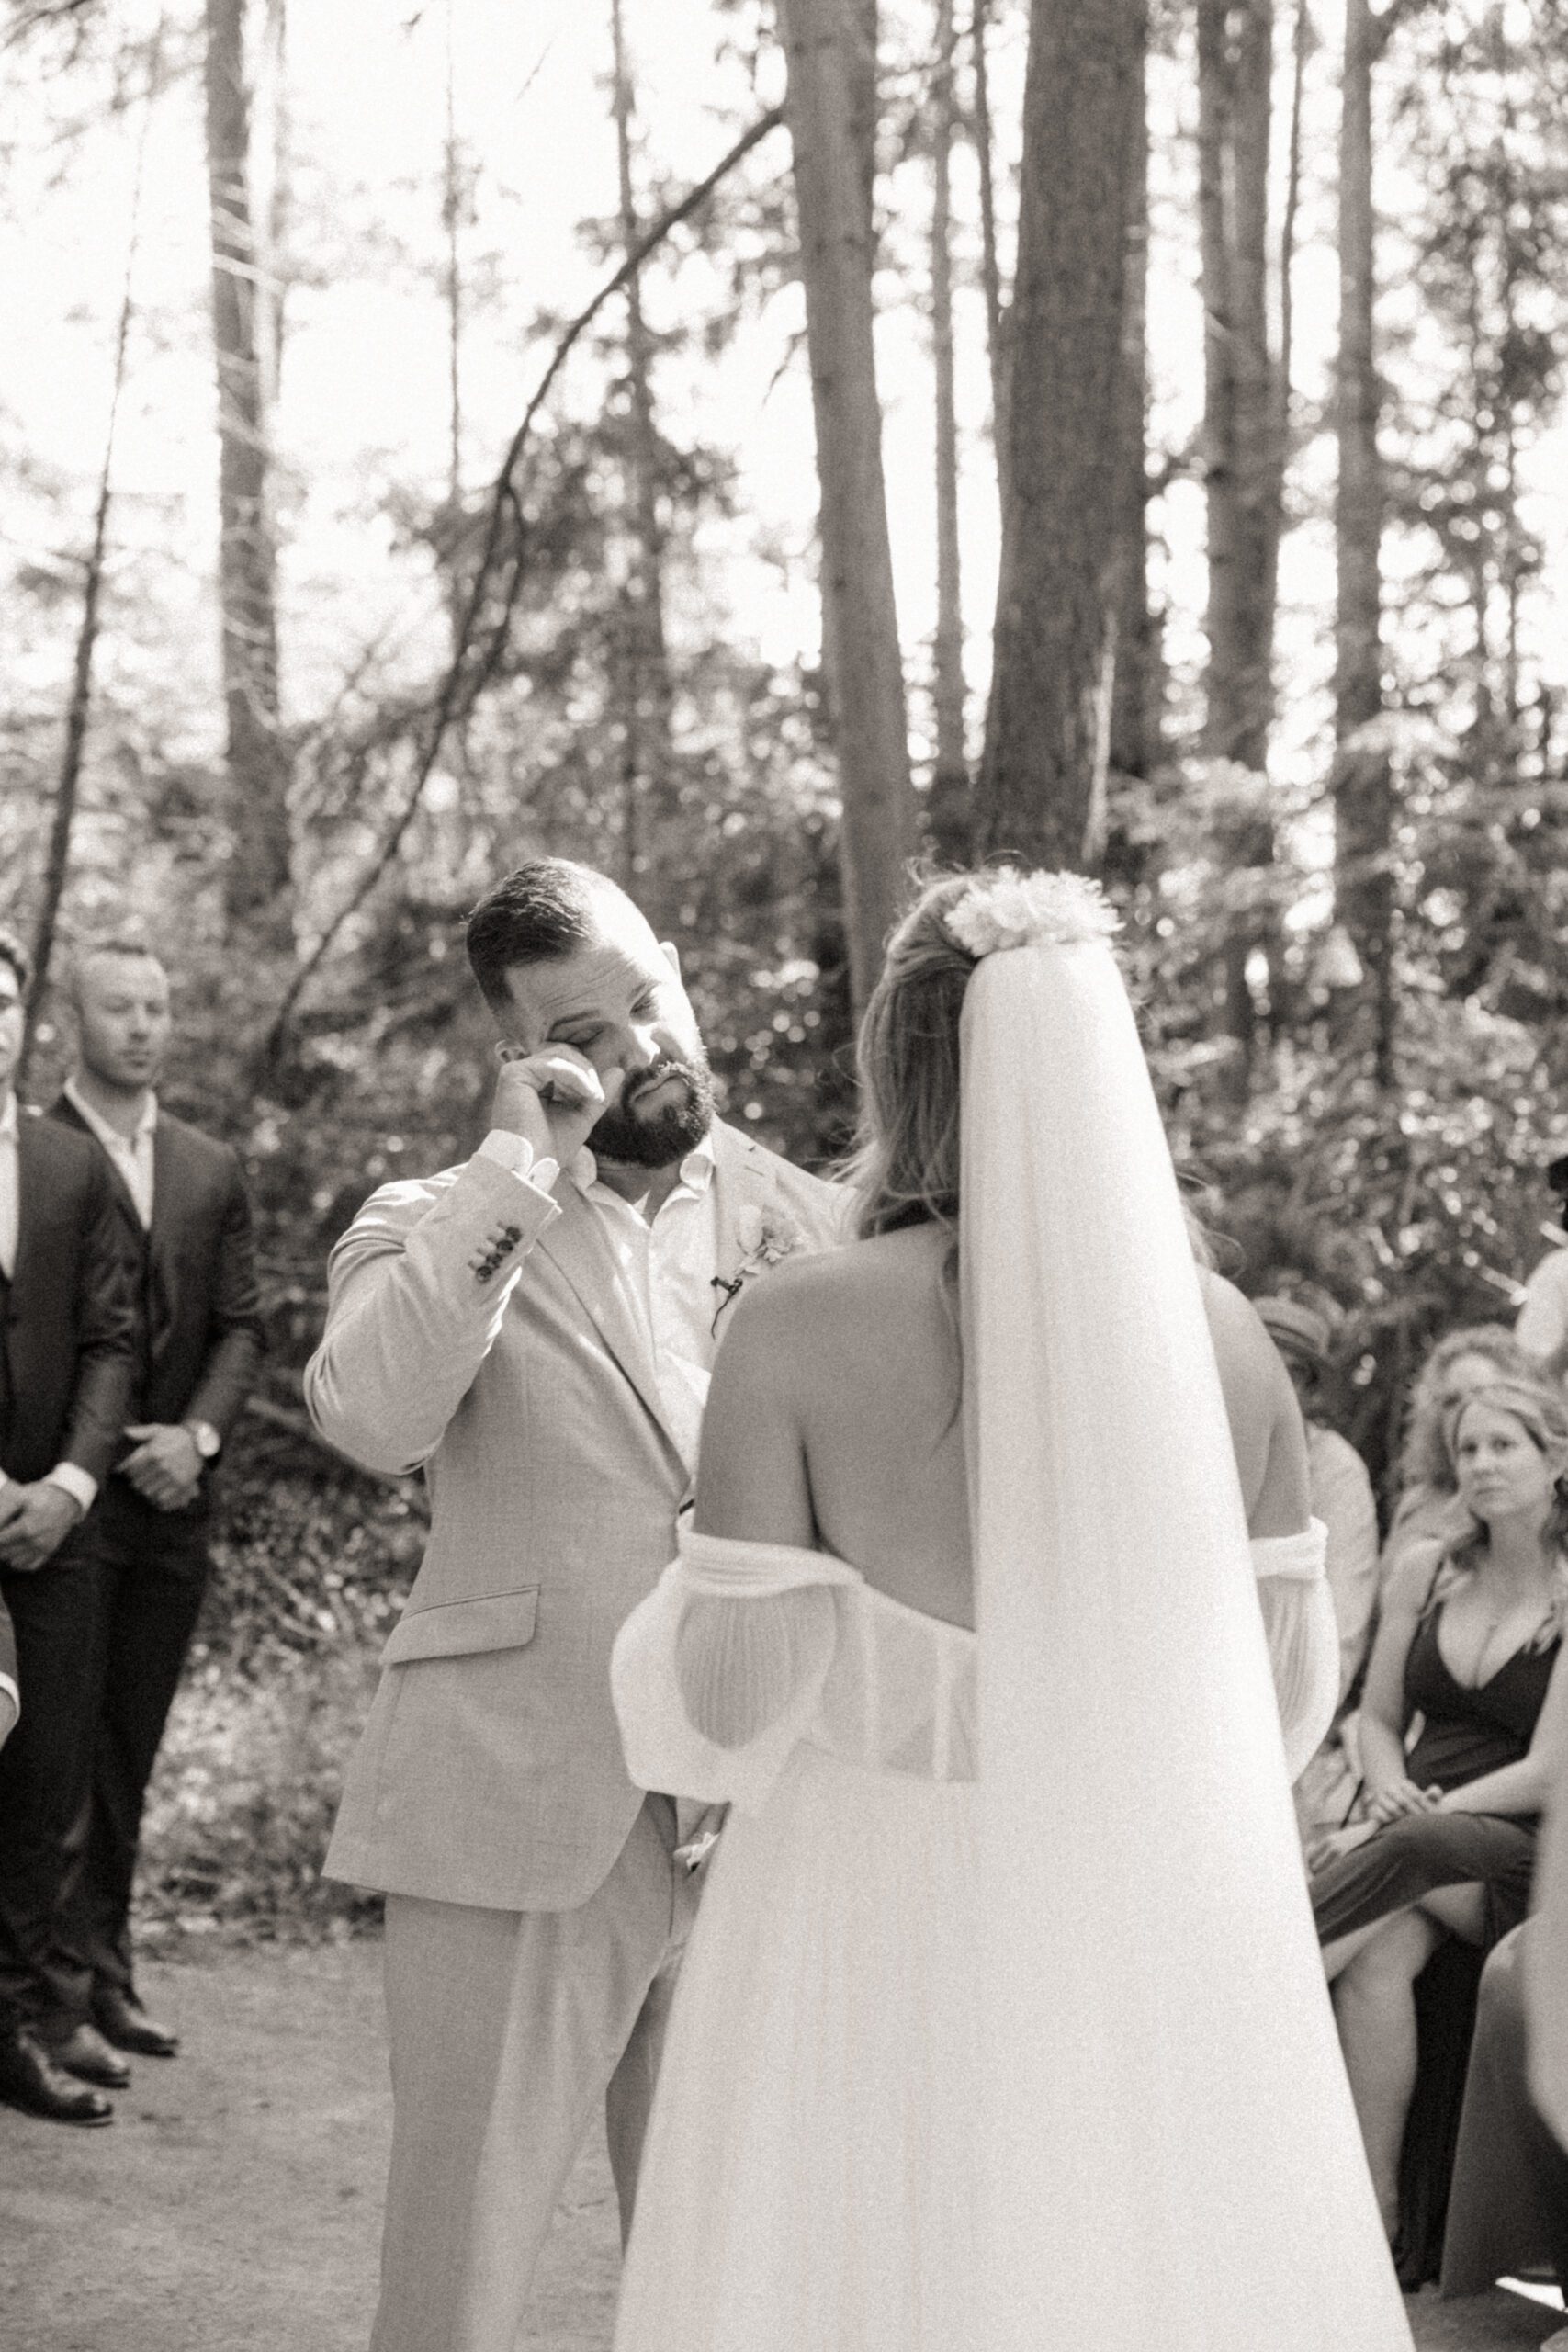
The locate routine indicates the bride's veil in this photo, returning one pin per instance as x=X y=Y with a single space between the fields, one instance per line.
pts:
x=1162 y=2082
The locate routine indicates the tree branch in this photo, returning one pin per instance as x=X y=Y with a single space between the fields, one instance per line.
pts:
x=474 y=663
x=78 y=711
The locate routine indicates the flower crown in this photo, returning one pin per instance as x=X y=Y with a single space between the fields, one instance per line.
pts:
x=1008 y=908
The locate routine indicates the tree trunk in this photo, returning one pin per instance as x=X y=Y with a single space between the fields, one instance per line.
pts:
x=1234 y=76
x=646 y=697
x=1042 y=781
x=990 y=261
x=1136 y=694
x=1244 y=476
x=1363 y=788
x=864 y=32
x=948 y=812
x=257 y=877
x=860 y=621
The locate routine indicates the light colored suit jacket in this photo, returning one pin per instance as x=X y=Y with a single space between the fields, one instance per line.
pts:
x=480 y=1328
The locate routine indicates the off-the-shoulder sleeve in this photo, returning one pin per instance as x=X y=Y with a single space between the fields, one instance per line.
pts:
x=1303 y=1639
x=716 y=1675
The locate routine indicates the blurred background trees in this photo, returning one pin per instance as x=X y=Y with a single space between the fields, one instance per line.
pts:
x=1119 y=435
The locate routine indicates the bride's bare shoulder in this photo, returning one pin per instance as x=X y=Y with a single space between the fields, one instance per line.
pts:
x=812 y=1301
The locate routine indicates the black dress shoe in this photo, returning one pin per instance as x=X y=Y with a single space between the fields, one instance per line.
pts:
x=30 y=2080
x=120 y=2019
x=85 y=2053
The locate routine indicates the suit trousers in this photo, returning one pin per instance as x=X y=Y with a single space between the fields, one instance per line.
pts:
x=506 y=2028
x=154 y=1567
x=46 y=1764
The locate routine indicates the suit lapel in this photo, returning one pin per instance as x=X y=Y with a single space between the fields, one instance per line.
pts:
x=577 y=1245
x=66 y=1111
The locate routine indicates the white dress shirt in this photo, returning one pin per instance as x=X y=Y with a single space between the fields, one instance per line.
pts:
x=132 y=1154
x=1342 y=1498
x=1542 y=1323
x=8 y=1188
x=668 y=1267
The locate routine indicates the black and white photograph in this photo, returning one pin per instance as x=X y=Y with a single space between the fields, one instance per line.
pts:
x=784 y=1175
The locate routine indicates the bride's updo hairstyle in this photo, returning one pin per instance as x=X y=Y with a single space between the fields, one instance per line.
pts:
x=905 y=1163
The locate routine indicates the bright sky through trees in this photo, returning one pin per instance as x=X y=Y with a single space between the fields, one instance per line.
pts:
x=364 y=417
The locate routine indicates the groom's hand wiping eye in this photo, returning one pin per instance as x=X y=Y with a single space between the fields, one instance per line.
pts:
x=553 y=1097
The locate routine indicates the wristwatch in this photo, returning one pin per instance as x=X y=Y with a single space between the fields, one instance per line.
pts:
x=205 y=1439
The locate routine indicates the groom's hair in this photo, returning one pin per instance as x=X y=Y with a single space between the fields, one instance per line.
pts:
x=542 y=911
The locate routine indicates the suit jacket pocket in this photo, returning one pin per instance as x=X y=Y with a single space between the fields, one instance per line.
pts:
x=500 y=1621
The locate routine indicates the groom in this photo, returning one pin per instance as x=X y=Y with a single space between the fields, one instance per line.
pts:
x=536 y=1330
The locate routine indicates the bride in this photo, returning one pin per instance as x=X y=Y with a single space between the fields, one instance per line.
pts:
x=1002 y=2027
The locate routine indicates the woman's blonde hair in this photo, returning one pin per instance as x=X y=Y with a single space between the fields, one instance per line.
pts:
x=1539 y=1407
x=1425 y=1459
x=905 y=1164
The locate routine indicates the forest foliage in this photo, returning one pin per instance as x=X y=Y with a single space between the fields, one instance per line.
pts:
x=288 y=690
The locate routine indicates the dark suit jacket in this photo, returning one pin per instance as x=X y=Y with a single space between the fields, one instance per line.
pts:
x=199 y=1332
x=70 y=1325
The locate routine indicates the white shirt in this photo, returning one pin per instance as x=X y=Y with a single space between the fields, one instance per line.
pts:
x=79 y=1484
x=1342 y=1498
x=1542 y=1324
x=668 y=1268
x=9 y=1196
x=132 y=1155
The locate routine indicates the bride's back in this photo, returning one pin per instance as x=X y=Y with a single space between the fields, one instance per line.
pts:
x=874 y=1374
x=836 y=1418
x=882 y=1422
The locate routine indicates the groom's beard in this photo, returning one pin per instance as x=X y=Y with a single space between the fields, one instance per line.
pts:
x=660 y=1138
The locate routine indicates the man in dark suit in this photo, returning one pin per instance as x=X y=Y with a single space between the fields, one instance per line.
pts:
x=67 y=1361
x=186 y=1217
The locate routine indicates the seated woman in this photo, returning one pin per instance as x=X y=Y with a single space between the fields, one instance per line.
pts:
x=1461 y=1362
x=1471 y=1640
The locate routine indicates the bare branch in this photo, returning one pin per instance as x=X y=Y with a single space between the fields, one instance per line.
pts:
x=474 y=662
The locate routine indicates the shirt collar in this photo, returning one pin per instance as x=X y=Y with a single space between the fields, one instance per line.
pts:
x=696 y=1169
x=8 y=1120
x=112 y=1137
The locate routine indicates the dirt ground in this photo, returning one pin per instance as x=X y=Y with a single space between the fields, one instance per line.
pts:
x=233 y=2204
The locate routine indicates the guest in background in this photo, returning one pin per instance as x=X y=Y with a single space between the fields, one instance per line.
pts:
x=1508 y=2209
x=1470 y=1639
x=10 y=1697
x=1508 y=2206
x=186 y=1220
x=1341 y=1490
x=1426 y=1511
x=67 y=1360
x=1342 y=1498
x=1541 y=1329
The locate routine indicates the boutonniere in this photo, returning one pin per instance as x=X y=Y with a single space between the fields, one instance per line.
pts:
x=767 y=1237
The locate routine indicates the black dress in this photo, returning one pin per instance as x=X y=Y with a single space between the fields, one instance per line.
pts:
x=1466 y=1733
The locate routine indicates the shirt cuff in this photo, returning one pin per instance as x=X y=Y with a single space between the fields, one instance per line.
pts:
x=72 y=1480
x=515 y=1154
x=9 y=1690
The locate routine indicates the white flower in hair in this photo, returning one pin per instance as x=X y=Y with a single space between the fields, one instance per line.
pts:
x=1011 y=909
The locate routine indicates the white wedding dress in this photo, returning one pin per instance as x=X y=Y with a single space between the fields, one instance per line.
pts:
x=812 y=2173
x=1003 y=2027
